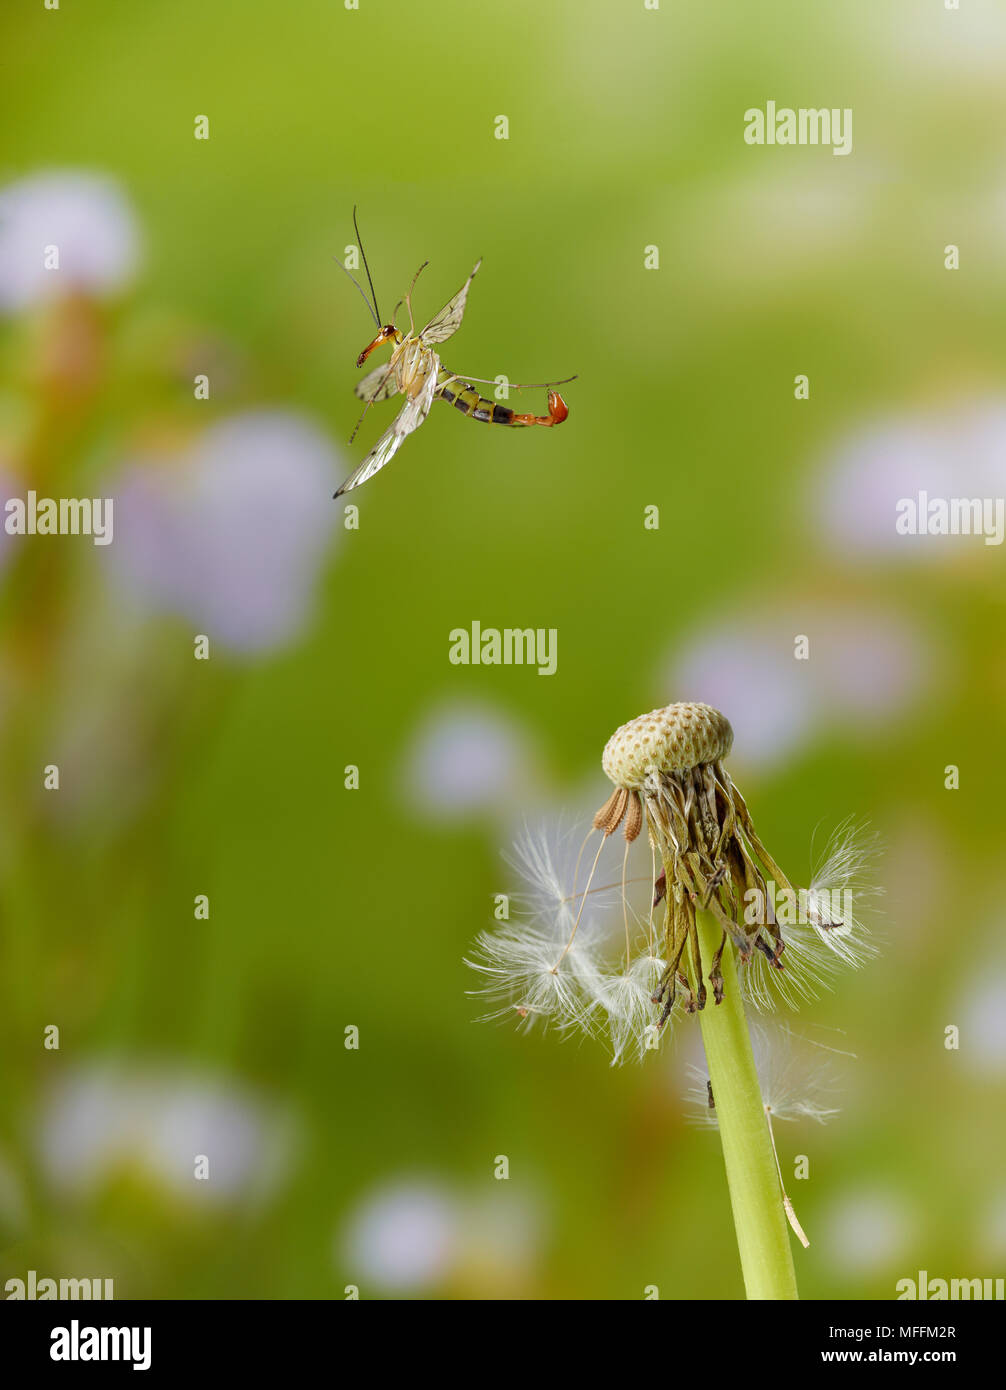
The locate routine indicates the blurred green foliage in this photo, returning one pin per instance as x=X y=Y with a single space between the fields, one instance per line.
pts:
x=333 y=907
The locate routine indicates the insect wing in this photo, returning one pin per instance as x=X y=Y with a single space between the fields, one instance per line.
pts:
x=378 y=385
x=448 y=321
x=408 y=419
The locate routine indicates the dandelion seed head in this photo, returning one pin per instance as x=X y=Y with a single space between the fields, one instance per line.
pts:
x=672 y=739
x=670 y=777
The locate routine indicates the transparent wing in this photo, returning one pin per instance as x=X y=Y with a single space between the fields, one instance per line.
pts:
x=377 y=385
x=448 y=321
x=408 y=419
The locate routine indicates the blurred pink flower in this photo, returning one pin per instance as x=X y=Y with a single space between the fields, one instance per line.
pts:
x=86 y=216
x=233 y=535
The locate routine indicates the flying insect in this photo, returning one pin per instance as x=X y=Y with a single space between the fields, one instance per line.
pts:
x=416 y=372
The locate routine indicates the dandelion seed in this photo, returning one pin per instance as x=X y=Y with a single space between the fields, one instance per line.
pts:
x=555 y=965
x=827 y=933
x=519 y=963
x=628 y=1001
x=797 y=1082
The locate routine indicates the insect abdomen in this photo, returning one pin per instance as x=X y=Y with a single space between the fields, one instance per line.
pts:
x=464 y=397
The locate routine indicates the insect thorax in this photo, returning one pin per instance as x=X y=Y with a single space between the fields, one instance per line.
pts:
x=414 y=365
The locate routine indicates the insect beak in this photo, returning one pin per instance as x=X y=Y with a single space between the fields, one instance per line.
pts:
x=382 y=337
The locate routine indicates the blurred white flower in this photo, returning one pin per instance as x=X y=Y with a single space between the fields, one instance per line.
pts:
x=233 y=535
x=982 y=1013
x=412 y=1234
x=85 y=216
x=403 y=1236
x=747 y=669
x=466 y=757
x=866 y=666
x=958 y=49
x=958 y=452
x=865 y=1229
x=111 y=1115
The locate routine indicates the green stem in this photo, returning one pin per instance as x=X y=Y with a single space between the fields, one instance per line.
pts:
x=752 y=1176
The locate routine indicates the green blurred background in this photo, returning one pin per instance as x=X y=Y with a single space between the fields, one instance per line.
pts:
x=332 y=908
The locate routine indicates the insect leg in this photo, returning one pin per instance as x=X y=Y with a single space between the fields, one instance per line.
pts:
x=408 y=298
x=360 y=421
x=522 y=385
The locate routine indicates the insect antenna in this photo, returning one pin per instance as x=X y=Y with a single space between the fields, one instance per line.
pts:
x=363 y=295
x=359 y=242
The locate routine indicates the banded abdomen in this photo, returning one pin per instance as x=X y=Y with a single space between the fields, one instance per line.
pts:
x=464 y=397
